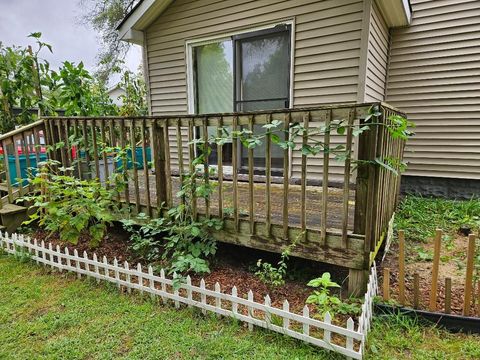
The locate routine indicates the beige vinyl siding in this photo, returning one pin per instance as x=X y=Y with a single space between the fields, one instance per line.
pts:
x=377 y=59
x=326 y=48
x=434 y=76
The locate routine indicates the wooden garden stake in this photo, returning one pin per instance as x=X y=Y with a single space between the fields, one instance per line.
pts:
x=401 y=267
x=436 y=262
x=386 y=284
x=416 y=290
x=469 y=275
x=448 y=295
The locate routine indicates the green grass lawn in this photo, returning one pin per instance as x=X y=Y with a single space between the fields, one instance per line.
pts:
x=55 y=316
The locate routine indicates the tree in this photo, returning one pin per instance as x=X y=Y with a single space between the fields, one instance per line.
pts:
x=104 y=16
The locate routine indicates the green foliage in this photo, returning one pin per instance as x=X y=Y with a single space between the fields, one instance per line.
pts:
x=78 y=94
x=145 y=240
x=70 y=206
x=420 y=216
x=104 y=16
x=397 y=126
x=134 y=100
x=20 y=84
x=321 y=298
x=27 y=82
x=271 y=275
x=181 y=239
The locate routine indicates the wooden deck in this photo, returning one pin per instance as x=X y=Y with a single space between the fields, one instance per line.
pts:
x=314 y=195
x=339 y=226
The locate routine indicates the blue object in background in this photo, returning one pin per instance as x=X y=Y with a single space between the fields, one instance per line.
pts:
x=24 y=171
x=138 y=158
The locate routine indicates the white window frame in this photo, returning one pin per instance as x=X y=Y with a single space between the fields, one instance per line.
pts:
x=191 y=44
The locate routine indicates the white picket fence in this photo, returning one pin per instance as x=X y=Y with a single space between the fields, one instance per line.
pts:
x=346 y=341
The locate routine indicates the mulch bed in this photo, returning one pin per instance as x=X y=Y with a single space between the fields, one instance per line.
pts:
x=232 y=266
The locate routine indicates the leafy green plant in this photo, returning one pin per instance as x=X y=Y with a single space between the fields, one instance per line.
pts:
x=134 y=101
x=181 y=238
x=321 y=297
x=274 y=276
x=69 y=206
x=424 y=255
x=145 y=240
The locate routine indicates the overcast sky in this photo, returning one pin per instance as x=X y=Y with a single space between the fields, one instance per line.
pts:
x=57 y=20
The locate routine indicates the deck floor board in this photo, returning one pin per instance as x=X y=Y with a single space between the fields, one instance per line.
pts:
x=314 y=197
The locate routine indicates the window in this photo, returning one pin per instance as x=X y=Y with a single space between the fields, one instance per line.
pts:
x=244 y=72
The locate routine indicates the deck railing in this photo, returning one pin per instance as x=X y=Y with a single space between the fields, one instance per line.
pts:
x=268 y=196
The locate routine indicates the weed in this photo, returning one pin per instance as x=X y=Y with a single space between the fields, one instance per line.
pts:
x=420 y=216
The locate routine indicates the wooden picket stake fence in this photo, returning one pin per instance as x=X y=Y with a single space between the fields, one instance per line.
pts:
x=310 y=330
x=432 y=305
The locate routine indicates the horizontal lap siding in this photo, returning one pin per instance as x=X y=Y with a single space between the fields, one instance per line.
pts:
x=377 y=60
x=434 y=76
x=327 y=48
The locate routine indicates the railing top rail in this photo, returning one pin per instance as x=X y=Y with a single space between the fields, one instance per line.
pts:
x=246 y=113
x=21 y=130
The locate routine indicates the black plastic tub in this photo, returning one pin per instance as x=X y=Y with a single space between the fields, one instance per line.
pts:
x=453 y=323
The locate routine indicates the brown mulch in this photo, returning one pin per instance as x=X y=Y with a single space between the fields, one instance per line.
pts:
x=232 y=266
x=114 y=244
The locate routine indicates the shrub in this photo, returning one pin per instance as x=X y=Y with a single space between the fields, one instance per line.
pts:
x=70 y=206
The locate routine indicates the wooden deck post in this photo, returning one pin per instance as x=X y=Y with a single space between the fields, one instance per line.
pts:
x=365 y=204
x=160 y=164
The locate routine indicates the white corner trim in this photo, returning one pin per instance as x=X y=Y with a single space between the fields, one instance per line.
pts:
x=142 y=16
x=134 y=36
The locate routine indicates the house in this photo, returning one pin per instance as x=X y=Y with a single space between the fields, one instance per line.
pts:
x=115 y=93
x=420 y=56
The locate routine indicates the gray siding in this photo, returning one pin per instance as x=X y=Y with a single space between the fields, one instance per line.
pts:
x=326 y=50
x=434 y=76
x=327 y=42
x=377 y=56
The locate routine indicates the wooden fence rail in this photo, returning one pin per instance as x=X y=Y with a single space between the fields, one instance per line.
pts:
x=346 y=341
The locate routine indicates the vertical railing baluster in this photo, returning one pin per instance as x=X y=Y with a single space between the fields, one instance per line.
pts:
x=124 y=161
x=268 y=179
x=36 y=145
x=220 y=168
x=286 y=173
x=325 y=171
x=95 y=148
x=346 y=177
x=191 y=156
x=133 y=144
x=77 y=149
x=60 y=136
x=168 y=167
x=26 y=151
x=206 y=174
x=67 y=142
x=235 y=170
x=7 y=171
x=85 y=145
x=303 y=176
x=146 y=166
x=104 y=153
x=17 y=167
x=251 y=188
x=113 y=144
x=180 y=155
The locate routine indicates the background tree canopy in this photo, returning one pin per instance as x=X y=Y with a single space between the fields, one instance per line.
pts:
x=104 y=16
x=27 y=82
